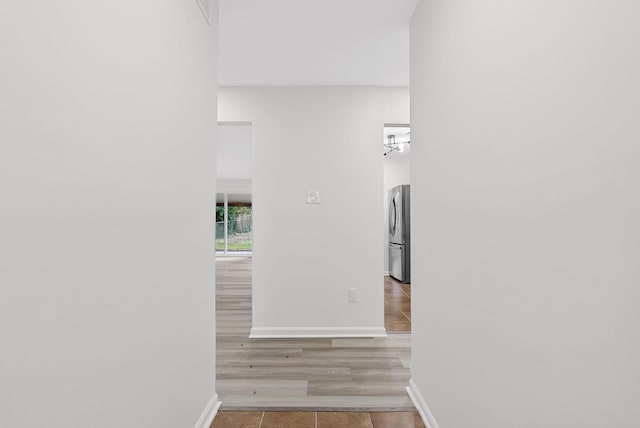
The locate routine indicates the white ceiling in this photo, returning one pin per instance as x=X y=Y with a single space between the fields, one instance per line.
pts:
x=314 y=42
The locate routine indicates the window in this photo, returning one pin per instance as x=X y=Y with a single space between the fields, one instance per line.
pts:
x=220 y=225
x=234 y=224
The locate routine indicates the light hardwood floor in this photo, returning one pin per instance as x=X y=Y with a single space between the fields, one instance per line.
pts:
x=311 y=374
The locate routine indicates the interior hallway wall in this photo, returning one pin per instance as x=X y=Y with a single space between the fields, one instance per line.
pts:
x=326 y=139
x=526 y=181
x=107 y=141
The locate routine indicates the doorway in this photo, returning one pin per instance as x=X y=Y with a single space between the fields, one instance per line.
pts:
x=397 y=250
x=295 y=373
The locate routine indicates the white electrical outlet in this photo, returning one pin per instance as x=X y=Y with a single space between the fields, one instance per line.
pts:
x=353 y=295
x=313 y=197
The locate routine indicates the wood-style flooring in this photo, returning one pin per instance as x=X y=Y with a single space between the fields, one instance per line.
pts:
x=302 y=374
x=242 y=419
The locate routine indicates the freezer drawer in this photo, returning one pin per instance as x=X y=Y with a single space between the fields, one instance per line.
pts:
x=399 y=262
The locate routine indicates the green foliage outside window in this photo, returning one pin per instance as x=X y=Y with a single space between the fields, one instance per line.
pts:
x=239 y=228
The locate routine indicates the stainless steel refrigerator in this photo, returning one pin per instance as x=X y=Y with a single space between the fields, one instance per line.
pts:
x=399 y=233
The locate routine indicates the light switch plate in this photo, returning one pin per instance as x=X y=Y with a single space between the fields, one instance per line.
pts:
x=313 y=197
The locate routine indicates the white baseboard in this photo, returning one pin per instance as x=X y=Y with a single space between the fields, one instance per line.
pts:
x=421 y=405
x=313 y=332
x=206 y=418
x=387 y=273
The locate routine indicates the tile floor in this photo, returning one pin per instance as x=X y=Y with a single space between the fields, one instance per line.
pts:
x=242 y=419
x=397 y=306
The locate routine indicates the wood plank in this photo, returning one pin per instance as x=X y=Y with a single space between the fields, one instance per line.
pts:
x=270 y=387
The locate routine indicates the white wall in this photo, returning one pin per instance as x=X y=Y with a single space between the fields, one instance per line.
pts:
x=397 y=170
x=234 y=151
x=242 y=187
x=108 y=114
x=306 y=256
x=234 y=158
x=526 y=181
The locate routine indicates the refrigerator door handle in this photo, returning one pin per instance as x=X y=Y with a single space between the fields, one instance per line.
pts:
x=393 y=217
